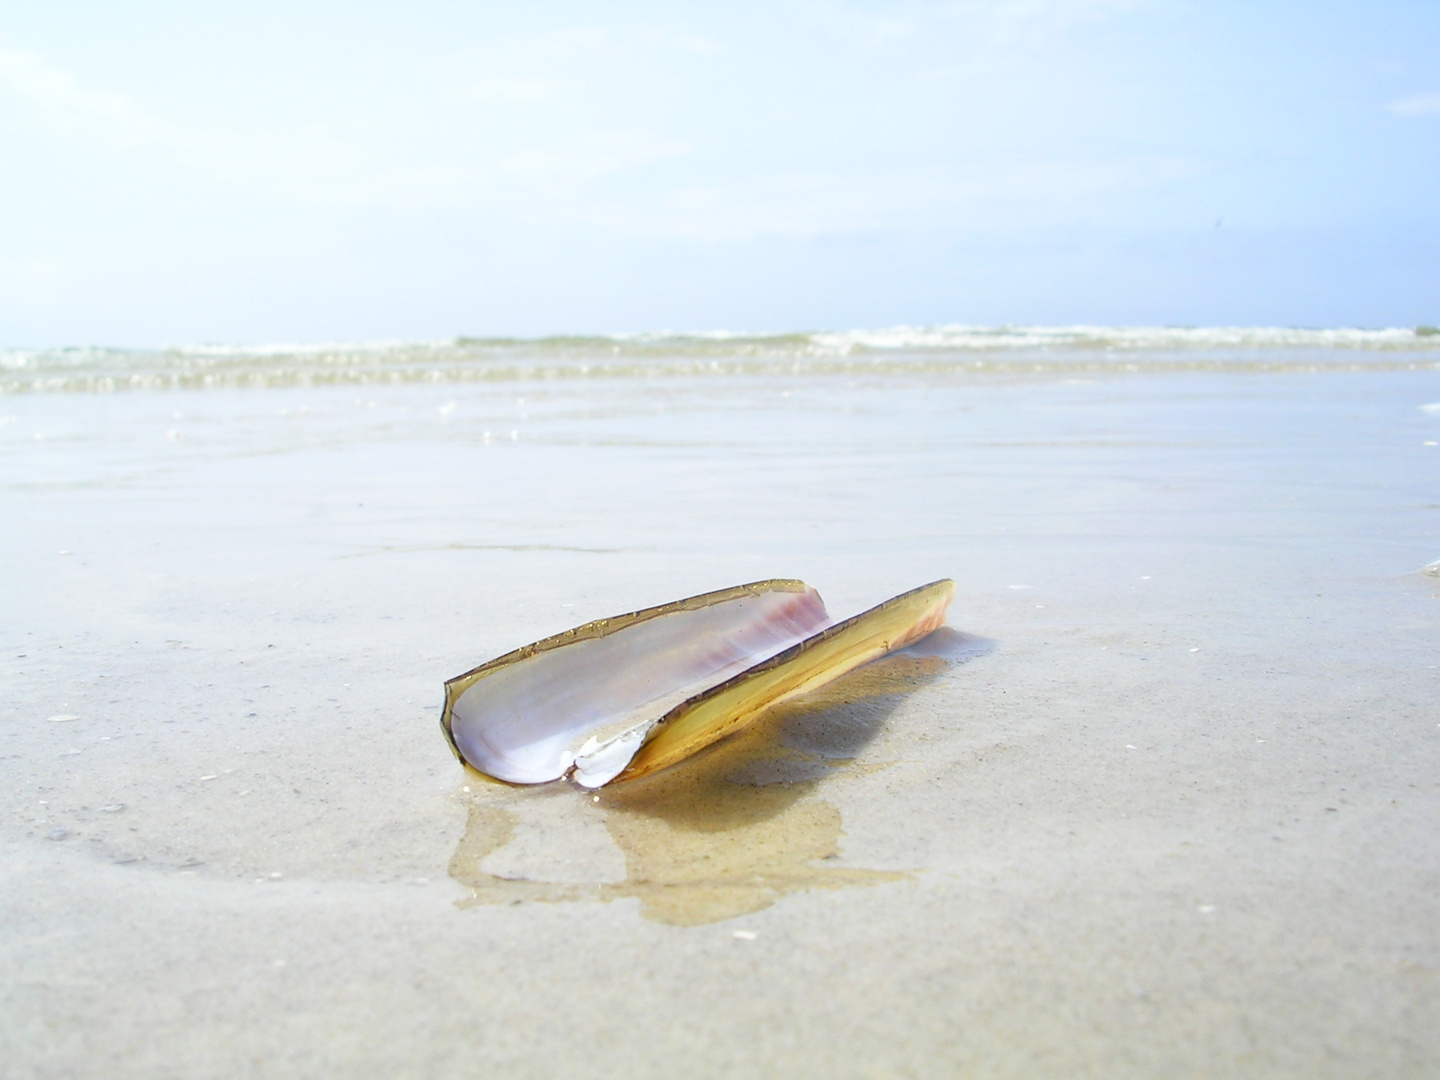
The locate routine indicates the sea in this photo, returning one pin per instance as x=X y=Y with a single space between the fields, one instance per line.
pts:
x=939 y=350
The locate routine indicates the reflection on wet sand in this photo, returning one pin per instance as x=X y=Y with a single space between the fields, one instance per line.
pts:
x=725 y=833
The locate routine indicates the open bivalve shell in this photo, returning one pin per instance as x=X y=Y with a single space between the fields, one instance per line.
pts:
x=618 y=698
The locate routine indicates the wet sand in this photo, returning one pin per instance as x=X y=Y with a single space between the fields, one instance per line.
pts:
x=1172 y=813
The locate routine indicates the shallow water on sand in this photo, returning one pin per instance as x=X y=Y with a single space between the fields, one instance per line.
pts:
x=1177 y=819
x=726 y=833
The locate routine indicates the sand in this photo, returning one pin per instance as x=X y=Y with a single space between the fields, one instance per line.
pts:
x=1172 y=811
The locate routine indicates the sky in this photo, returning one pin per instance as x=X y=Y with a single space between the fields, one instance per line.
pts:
x=184 y=173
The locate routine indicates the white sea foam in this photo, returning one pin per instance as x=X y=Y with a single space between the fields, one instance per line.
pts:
x=968 y=338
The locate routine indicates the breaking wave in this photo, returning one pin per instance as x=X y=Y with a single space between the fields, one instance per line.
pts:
x=1017 y=350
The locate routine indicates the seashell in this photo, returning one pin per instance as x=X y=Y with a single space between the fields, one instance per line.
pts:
x=622 y=697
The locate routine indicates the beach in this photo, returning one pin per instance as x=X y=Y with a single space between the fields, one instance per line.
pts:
x=1165 y=802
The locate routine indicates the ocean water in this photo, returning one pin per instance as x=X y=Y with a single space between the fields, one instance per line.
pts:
x=944 y=350
x=1172 y=813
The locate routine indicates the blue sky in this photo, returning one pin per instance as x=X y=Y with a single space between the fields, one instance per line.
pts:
x=288 y=172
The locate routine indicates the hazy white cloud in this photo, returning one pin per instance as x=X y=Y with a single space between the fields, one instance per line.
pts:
x=1069 y=181
x=66 y=107
x=811 y=205
x=1005 y=29
x=65 y=104
x=698 y=44
x=1416 y=105
x=862 y=26
x=1012 y=16
x=530 y=52
x=524 y=68
x=36 y=280
x=498 y=90
x=556 y=178
x=313 y=167
x=1002 y=35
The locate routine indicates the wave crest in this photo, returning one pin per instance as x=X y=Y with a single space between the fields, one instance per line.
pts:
x=952 y=349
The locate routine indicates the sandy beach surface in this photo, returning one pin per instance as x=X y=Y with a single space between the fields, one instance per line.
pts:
x=1169 y=807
